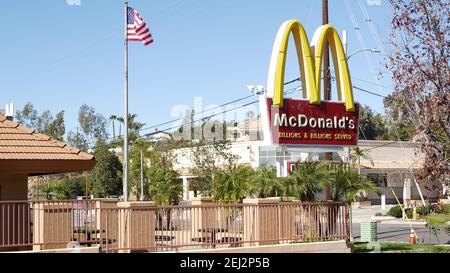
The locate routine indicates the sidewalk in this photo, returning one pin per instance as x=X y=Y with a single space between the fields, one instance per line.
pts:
x=360 y=215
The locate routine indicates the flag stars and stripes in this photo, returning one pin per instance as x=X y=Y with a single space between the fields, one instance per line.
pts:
x=137 y=29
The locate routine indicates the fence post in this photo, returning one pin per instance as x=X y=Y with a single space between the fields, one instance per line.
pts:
x=261 y=222
x=202 y=217
x=287 y=214
x=52 y=224
x=136 y=226
x=104 y=203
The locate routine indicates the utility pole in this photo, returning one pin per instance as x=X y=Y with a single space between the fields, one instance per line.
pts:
x=326 y=56
x=326 y=80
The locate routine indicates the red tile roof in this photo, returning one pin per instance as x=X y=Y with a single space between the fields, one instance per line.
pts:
x=20 y=143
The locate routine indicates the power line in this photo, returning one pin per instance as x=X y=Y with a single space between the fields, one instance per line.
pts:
x=373 y=83
x=203 y=118
x=241 y=99
x=214 y=108
x=237 y=100
x=369 y=21
x=211 y=116
x=382 y=145
x=195 y=114
x=236 y=108
x=200 y=119
x=369 y=92
x=360 y=39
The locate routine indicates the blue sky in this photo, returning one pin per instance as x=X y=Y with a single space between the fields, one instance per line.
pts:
x=59 y=56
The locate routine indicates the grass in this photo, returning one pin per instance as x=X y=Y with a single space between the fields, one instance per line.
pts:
x=401 y=247
x=437 y=219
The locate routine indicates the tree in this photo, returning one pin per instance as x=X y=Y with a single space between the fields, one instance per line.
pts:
x=56 y=128
x=380 y=125
x=134 y=176
x=357 y=155
x=69 y=187
x=209 y=158
x=92 y=128
x=371 y=125
x=43 y=123
x=347 y=185
x=28 y=116
x=421 y=75
x=308 y=179
x=164 y=186
x=113 y=118
x=134 y=128
x=265 y=183
x=78 y=140
x=47 y=189
x=398 y=126
x=106 y=177
x=231 y=185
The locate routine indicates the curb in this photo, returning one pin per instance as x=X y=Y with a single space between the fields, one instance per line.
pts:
x=393 y=222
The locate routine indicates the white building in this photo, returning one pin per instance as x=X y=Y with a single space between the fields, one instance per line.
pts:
x=393 y=161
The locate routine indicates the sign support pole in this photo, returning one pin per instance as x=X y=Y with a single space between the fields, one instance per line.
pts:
x=326 y=81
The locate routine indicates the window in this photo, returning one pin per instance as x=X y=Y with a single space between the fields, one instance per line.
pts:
x=378 y=179
x=267 y=156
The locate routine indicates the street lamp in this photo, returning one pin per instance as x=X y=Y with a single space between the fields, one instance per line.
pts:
x=373 y=50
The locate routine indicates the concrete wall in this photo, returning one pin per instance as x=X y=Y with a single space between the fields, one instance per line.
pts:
x=318 y=247
x=65 y=250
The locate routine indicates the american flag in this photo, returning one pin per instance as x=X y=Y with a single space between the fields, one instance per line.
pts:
x=137 y=28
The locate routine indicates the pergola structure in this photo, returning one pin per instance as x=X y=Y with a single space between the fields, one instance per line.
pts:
x=25 y=152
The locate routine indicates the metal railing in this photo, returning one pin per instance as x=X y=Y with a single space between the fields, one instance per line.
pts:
x=249 y=224
x=53 y=224
x=46 y=224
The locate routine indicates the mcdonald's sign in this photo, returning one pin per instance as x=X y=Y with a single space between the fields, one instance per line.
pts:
x=309 y=120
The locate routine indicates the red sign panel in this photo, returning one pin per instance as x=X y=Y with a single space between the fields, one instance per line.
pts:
x=299 y=122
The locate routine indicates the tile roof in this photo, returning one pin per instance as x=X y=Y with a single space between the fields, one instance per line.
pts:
x=20 y=143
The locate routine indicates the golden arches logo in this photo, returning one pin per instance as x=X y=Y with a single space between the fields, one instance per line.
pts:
x=310 y=61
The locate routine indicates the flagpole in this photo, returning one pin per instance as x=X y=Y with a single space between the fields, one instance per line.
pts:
x=125 y=142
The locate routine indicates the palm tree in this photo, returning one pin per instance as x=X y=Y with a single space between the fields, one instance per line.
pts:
x=121 y=121
x=357 y=155
x=308 y=179
x=134 y=128
x=113 y=118
x=47 y=188
x=231 y=186
x=265 y=183
x=346 y=185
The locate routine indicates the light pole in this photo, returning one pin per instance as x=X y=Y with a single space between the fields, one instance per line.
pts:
x=256 y=89
x=373 y=50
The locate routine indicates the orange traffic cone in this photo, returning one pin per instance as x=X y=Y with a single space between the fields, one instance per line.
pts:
x=412 y=238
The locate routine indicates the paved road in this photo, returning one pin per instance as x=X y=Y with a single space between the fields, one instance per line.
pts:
x=401 y=232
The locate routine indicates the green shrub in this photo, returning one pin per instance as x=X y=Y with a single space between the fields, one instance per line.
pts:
x=378 y=214
x=425 y=210
x=447 y=209
x=395 y=212
x=422 y=210
x=441 y=208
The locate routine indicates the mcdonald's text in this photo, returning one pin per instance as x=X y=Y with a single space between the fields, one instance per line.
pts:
x=299 y=122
